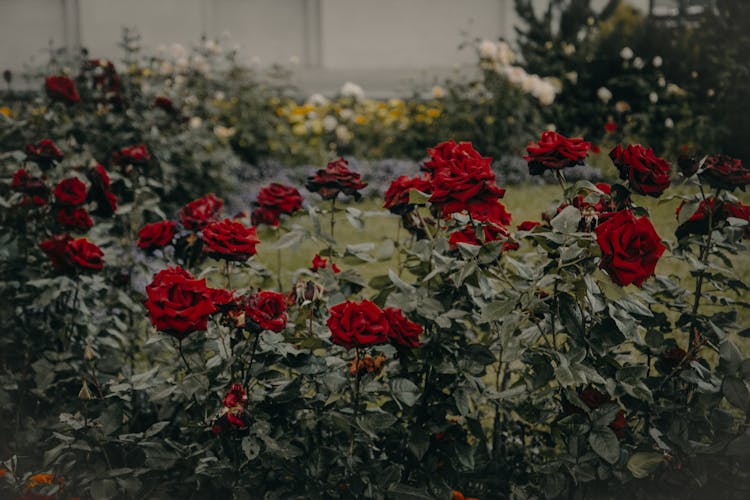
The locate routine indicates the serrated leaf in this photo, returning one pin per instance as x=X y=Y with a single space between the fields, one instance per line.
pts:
x=604 y=442
x=643 y=464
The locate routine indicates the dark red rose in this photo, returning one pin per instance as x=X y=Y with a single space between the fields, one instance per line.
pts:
x=165 y=104
x=447 y=153
x=100 y=192
x=397 y=194
x=461 y=176
x=358 y=324
x=555 y=152
x=630 y=248
x=28 y=184
x=178 y=303
x=334 y=179
x=670 y=359
x=235 y=411
x=710 y=208
x=229 y=240
x=646 y=173
x=45 y=153
x=402 y=331
x=619 y=424
x=265 y=215
x=198 y=213
x=319 y=262
x=105 y=81
x=131 y=155
x=528 y=225
x=488 y=209
x=724 y=172
x=55 y=250
x=280 y=198
x=61 y=88
x=610 y=126
x=594 y=398
x=224 y=300
x=70 y=192
x=157 y=234
x=74 y=218
x=84 y=255
x=266 y=311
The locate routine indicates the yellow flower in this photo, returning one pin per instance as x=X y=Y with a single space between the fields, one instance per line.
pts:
x=5 y=110
x=360 y=120
x=433 y=113
x=299 y=129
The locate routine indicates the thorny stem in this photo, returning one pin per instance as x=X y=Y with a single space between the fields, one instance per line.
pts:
x=278 y=270
x=561 y=180
x=554 y=315
x=705 y=253
x=398 y=248
x=252 y=358
x=227 y=274
x=333 y=220
x=355 y=396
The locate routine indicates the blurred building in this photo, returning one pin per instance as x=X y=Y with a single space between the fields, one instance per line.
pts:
x=381 y=44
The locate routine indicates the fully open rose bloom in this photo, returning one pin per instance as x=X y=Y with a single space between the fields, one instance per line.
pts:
x=69 y=255
x=45 y=153
x=266 y=310
x=630 y=248
x=358 y=324
x=30 y=185
x=61 y=88
x=334 y=179
x=70 y=192
x=179 y=304
x=274 y=200
x=646 y=173
x=157 y=234
x=200 y=212
x=229 y=240
x=131 y=155
x=101 y=191
x=724 y=172
x=234 y=415
x=74 y=218
x=555 y=152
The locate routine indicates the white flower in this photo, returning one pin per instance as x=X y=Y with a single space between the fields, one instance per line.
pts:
x=661 y=81
x=178 y=51
x=568 y=49
x=653 y=97
x=674 y=89
x=213 y=47
x=551 y=127
x=669 y=123
x=626 y=53
x=219 y=95
x=572 y=77
x=195 y=122
x=346 y=114
x=546 y=93
x=710 y=92
x=487 y=49
x=223 y=132
x=317 y=100
x=604 y=94
x=330 y=123
x=504 y=54
x=350 y=89
x=438 y=92
x=638 y=63
x=179 y=81
x=343 y=134
x=657 y=62
x=516 y=75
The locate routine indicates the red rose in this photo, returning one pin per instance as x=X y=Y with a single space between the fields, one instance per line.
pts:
x=178 y=303
x=610 y=126
x=45 y=153
x=646 y=173
x=461 y=175
x=70 y=192
x=84 y=255
x=280 y=198
x=198 y=213
x=698 y=222
x=229 y=240
x=397 y=194
x=61 y=88
x=131 y=155
x=630 y=248
x=266 y=311
x=156 y=234
x=100 y=192
x=619 y=424
x=528 y=225
x=402 y=331
x=106 y=80
x=724 y=172
x=688 y=165
x=265 y=215
x=334 y=179
x=235 y=411
x=74 y=218
x=670 y=359
x=319 y=262
x=448 y=152
x=55 y=250
x=28 y=184
x=488 y=210
x=358 y=324
x=739 y=211
x=555 y=152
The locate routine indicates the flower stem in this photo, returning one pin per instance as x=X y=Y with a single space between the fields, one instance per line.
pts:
x=561 y=180
x=182 y=355
x=333 y=217
x=705 y=253
x=227 y=274
x=278 y=270
x=252 y=358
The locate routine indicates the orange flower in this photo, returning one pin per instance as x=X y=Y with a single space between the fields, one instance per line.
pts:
x=38 y=479
x=2 y=472
x=457 y=495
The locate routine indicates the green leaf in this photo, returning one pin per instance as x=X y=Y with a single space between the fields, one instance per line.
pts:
x=643 y=464
x=496 y=310
x=251 y=447
x=735 y=390
x=739 y=447
x=405 y=391
x=419 y=442
x=605 y=443
x=417 y=197
x=103 y=489
x=567 y=220
x=404 y=492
